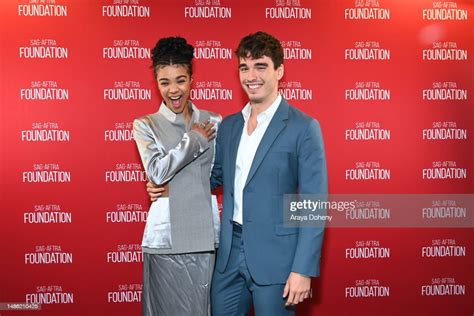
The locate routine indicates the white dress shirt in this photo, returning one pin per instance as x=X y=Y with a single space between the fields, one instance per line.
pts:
x=247 y=148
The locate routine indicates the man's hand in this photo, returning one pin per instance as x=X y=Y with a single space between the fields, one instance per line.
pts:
x=206 y=129
x=297 y=288
x=155 y=191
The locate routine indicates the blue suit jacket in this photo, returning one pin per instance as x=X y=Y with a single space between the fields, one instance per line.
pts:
x=289 y=159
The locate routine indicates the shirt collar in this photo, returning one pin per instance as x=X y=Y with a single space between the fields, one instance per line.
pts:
x=265 y=115
x=171 y=116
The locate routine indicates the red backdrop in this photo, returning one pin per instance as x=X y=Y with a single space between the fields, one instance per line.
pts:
x=387 y=68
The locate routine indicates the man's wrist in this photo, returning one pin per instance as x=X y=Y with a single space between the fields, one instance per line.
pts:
x=303 y=275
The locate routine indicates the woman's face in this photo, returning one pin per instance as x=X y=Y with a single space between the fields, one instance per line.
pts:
x=174 y=84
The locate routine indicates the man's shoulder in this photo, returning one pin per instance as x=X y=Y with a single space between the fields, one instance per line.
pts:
x=299 y=117
x=230 y=119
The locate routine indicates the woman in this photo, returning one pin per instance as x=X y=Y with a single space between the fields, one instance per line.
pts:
x=176 y=145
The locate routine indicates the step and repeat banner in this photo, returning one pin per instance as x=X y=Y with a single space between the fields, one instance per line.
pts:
x=391 y=83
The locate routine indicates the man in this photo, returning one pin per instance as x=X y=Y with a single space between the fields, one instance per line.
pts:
x=265 y=151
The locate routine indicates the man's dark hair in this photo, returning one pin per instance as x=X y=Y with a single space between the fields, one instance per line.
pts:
x=261 y=44
x=172 y=51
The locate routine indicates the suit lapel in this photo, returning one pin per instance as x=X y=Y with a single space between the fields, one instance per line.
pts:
x=236 y=134
x=276 y=125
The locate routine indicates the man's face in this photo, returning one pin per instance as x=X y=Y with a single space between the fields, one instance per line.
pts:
x=174 y=84
x=259 y=79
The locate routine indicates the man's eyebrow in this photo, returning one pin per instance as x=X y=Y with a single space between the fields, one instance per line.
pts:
x=263 y=64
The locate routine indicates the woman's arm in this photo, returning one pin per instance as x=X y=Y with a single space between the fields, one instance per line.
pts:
x=160 y=165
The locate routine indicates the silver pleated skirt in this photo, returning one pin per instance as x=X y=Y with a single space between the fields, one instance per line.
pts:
x=177 y=285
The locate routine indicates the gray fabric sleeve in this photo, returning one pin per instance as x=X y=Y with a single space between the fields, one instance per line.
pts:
x=161 y=166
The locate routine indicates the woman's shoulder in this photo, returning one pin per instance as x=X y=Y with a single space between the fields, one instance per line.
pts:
x=212 y=116
x=147 y=121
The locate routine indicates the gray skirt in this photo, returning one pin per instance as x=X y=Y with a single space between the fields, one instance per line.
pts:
x=177 y=285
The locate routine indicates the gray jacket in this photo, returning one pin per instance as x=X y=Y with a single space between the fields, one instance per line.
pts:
x=187 y=221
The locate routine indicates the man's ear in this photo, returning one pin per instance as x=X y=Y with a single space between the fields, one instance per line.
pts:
x=280 y=71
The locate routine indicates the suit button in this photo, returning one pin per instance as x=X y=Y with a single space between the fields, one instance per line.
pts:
x=195 y=155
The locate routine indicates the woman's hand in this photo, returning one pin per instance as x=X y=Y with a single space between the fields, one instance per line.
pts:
x=206 y=129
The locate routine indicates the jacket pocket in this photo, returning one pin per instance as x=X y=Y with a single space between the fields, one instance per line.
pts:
x=283 y=230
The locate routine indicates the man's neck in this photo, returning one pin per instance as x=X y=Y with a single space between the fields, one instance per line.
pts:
x=257 y=108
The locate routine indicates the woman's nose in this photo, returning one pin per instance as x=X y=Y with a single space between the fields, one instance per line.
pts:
x=173 y=88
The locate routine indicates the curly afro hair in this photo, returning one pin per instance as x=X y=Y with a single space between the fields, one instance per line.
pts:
x=172 y=51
